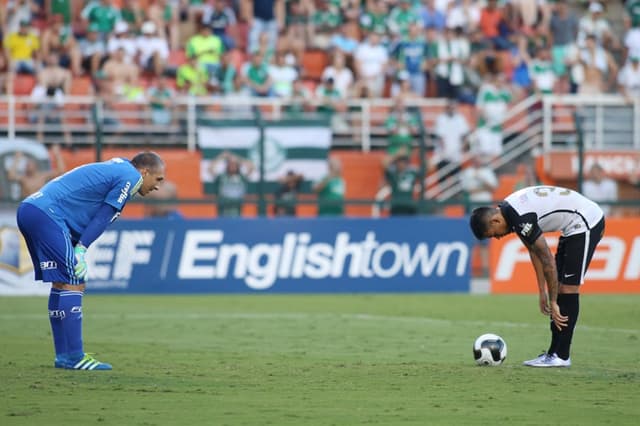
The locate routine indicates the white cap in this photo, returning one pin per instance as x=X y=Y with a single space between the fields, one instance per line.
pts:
x=121 y=27
x=148 y=28
x=595 y=7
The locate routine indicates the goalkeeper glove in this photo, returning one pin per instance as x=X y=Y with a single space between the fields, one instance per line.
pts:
x=80 y=268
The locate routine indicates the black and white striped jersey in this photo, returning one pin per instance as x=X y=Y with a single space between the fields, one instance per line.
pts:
x=537 y=209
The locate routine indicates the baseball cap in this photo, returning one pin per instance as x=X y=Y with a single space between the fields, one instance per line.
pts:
x=595 y=7
x=121 y=27
x=148 y=28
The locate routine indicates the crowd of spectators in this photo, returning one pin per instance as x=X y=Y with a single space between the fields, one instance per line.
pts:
x=442 y=48
x=485 y=53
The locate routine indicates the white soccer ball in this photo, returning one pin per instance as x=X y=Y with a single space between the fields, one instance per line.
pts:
x=489 y=349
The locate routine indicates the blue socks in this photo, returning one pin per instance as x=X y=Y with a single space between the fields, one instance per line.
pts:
x=55 y=318
x=68 y=333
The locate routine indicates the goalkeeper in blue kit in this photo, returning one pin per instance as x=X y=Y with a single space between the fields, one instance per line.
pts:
x=61 y=220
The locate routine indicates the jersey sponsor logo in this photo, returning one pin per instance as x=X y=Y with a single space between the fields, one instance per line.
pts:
x=615 y=266
x=113 y=256
x=610 y=257
x=57 y=313
x=48 y=265
x=525 y=229
x=205 y=256
x=234 y=257
x=124 y=193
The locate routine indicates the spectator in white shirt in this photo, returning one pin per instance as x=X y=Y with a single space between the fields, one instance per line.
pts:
x=464 y=14
x=599 y=188
x=451 y=129
x=479 y=181
x=123 y=39
x=342 y=76
x=629 y=78
x=595 y=23
x=153 y=50
x=371 y=60
x=632 y=42
x=283 y=76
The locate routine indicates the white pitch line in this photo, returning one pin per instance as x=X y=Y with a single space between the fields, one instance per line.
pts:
x=307 y=316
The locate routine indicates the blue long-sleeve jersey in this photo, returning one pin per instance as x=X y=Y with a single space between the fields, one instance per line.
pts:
x=73 y=199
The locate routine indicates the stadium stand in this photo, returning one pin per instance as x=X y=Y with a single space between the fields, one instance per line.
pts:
x=456 y=55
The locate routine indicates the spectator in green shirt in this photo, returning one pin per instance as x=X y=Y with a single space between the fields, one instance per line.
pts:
x=231 y=185
x=300 y=100
x=331 y=191
x=207 y=48
x=401 y=17
x=332 y=102
x=160 y=98
x=223 y=79
x=103 y=14
x=257 y=77
x=61 y=7
x=324 y=23
x=132 y=14
x=286 y=195
x=191 y=78
x=401 y=125
x=402 y=179
x=374 y=18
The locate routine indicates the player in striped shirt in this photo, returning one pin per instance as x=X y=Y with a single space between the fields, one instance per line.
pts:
x=529 y=213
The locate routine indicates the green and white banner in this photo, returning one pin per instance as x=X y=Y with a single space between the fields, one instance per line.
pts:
x=301 y=149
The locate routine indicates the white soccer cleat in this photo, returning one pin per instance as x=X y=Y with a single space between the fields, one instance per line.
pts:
x=537 y=359
x=550 y=361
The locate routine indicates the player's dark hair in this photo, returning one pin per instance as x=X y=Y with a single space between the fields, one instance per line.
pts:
x=479 y=221
x=147 y=160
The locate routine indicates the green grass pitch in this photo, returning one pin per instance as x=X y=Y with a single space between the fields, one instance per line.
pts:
x=319 y=360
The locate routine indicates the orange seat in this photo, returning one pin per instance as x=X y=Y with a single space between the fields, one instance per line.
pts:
x=81 y=86
x=4 y=114
x=313 y=63
x=23 y=84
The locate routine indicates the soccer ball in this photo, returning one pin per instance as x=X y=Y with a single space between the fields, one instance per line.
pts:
x=489 y=349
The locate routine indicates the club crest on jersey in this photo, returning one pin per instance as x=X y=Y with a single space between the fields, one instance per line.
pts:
x=525 y=229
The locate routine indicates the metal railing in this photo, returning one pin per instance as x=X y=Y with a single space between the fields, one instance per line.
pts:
x=611 y=122
x=544 y=122
x=80 y=118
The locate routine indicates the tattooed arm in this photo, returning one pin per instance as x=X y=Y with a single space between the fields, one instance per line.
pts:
x=546 y=263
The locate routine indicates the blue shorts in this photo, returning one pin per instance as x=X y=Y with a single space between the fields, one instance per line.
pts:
x=49 y=245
